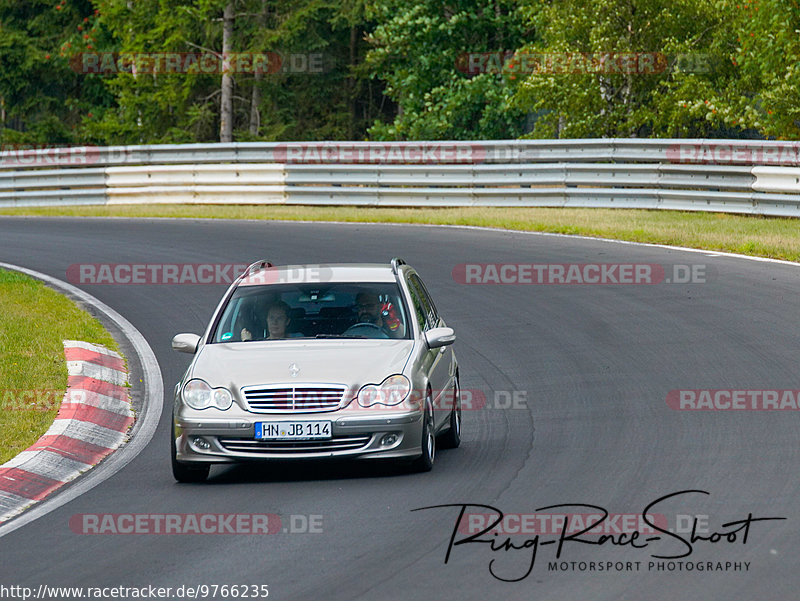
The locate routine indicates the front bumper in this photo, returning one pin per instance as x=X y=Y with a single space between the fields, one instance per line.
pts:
x=353 y=435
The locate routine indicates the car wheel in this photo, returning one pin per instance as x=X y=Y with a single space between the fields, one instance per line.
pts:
x=452 y=438
x=424 y=463
x=186 y=472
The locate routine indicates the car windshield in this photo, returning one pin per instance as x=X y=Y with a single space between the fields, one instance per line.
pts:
x=309 y=311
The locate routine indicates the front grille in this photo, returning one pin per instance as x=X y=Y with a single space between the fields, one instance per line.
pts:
x=294 y=447
x=307 y=398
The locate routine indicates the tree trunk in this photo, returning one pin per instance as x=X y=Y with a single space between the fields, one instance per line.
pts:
x=255 y=103
x=352 y=89
x=255 y=97
x=226 y=103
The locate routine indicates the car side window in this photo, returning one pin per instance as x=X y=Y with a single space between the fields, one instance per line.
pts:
x=430 y=309
x=419 y=309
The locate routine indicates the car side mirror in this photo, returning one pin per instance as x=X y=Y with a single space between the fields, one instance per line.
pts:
x=186 y=343
x=438 y=337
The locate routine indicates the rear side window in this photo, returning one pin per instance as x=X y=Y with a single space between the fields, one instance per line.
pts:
x=431 y=316
x=419 y=309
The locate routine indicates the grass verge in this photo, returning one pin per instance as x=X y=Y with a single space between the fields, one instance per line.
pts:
x=773 y=237
x=34 y=320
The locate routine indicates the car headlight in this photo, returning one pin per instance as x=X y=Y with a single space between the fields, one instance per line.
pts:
x=199 y=395
x=392 y=391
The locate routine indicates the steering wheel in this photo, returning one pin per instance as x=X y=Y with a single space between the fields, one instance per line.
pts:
x=365 y=324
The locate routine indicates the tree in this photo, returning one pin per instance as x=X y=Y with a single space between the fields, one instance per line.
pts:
x=43 y=100
x=99 y=71
x=421 y=49
x=308 y=85
x=766 y=53
x=156 y=103
x=226 y=101
x=626 y=68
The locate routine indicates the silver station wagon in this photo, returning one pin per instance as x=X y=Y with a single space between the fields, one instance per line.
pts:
x=318 y=361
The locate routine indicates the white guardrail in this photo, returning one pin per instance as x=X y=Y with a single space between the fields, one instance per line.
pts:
x=737 y=176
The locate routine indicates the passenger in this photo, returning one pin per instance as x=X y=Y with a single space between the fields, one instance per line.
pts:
x=254 y=317
x=276 y=325
x=278 y=320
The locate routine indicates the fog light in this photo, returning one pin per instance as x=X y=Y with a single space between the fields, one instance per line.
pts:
x=389 y=439
x=201 y=443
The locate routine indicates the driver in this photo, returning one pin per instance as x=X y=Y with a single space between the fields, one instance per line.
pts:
x=368 y=309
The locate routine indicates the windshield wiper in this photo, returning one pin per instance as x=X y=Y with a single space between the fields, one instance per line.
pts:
x=336 y=336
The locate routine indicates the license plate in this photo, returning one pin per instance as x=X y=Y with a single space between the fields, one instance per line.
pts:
x=298 y=430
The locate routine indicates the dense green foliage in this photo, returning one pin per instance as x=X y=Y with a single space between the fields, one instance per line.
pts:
x=421 y=51
x=397 y=70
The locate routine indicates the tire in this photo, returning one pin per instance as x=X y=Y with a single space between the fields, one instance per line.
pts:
x=424 y=463
x=452 y=438
x=186 y=472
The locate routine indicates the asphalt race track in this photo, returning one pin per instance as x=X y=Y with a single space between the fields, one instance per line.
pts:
x=591 y=366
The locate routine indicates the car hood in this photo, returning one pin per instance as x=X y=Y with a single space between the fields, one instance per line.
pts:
x=350 y=362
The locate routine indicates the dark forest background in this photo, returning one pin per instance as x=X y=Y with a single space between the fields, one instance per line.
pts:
x=396 y=70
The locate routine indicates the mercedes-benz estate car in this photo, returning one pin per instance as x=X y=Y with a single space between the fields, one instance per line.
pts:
x=318 y=361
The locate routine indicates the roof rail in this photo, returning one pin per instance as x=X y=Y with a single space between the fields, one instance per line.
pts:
x=396 y=263
x=258 y=266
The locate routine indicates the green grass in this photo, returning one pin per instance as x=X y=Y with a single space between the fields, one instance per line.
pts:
x=34 y=320
x=751 y=235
